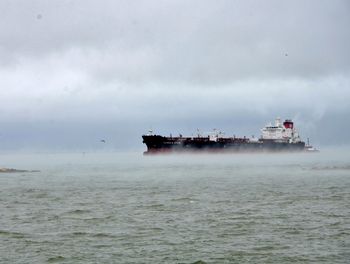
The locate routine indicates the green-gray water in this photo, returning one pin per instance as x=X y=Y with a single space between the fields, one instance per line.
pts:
x=129 y=208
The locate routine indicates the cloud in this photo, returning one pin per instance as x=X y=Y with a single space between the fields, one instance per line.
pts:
x=64 y=87
x=190 y=41
x=191 y=62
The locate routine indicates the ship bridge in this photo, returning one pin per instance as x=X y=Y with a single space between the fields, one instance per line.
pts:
x=284 y=132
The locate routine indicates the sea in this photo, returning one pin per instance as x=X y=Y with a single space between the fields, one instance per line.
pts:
x=125 y=207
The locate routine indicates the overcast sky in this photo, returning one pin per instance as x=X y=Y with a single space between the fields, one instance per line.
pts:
x=75 y=72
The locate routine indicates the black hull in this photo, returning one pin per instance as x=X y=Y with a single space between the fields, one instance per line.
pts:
x=160 y=144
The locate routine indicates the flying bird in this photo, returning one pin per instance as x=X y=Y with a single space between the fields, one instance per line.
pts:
x=103 y=141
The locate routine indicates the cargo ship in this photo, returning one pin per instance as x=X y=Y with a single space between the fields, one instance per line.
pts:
x=277 y=137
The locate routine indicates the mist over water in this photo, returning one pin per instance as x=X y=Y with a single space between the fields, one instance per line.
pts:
x=130 y=208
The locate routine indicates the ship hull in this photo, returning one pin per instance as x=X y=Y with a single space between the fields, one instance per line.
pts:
x=159 y=144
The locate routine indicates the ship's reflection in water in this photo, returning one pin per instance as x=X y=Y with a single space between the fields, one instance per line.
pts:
x=130 y=208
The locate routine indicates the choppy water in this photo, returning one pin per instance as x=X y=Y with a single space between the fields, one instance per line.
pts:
x=128 y=208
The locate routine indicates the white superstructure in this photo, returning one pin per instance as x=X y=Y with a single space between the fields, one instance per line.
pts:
x=213 y=136
x=281 y=132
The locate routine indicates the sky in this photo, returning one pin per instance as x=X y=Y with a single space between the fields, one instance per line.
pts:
x=75 y=72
